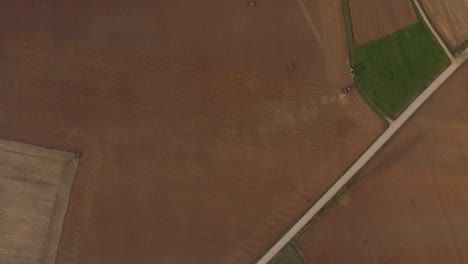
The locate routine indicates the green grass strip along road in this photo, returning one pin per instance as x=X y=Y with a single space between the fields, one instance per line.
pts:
x=462 y=48
x=290 y=254
x=390 y=72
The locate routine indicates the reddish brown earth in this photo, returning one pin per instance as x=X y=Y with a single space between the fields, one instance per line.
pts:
x=374 y=19
x=206 y=129
x=450 y=18
x=409 y=204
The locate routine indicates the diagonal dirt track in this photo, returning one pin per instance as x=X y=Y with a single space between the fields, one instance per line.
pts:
x=374 y=148
x=434 y=32
x=386 y=136
x=198 y=122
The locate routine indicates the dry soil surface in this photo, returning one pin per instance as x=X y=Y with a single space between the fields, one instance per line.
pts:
x=206 y=129
x=450 y=18
x=408 y=204
x=374 y=19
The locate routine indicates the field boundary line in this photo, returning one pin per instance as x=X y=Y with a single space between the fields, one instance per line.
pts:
x=311 y=23
x=434 y=32
x=362 y=161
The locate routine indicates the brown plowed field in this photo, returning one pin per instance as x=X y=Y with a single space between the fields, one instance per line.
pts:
x=206 y=129
x=409 y=204
x=450 y=18
x=374 y=19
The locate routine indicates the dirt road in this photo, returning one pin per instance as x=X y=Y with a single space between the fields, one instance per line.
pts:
x=407 y=199
x=379 y=143
x=434 y=32
x=187 y=127
x=450 y=19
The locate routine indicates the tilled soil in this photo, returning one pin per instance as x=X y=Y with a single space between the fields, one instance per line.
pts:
x=375 y=19
x=450 y=19
x=408 y=204
x=206 y=129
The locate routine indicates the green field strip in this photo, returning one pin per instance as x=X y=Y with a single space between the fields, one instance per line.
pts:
x=390 y=72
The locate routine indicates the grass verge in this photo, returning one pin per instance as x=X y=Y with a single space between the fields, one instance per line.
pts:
x=392 y=71
x=455 y=51
x=462 y=48
x=290 y=254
